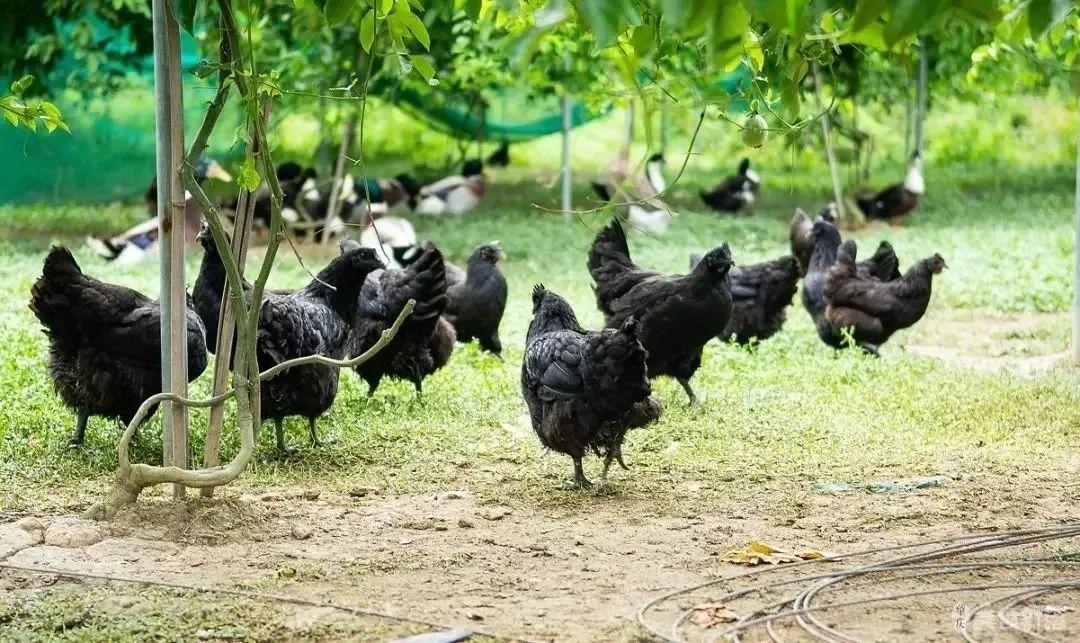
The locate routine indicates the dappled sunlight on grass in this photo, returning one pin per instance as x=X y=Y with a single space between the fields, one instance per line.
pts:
x=790 y=407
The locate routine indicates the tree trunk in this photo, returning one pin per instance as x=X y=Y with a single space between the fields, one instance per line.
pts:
x=1076 y=260
x=567 y=200
x=838 y=192
x=226 y=326
x=920 y=116
x=336 y=183
x=169 y=115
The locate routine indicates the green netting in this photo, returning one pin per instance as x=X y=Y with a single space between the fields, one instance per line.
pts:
x=454 y=119
x=110 y=152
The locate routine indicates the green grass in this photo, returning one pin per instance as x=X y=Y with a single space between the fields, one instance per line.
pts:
x=132 y=613
x=790 y=408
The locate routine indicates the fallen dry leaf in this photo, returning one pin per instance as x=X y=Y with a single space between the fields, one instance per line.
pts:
x=709 y=615
x=1054 y=610
x=758 y=553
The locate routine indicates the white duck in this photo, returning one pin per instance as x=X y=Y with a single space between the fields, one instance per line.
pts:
x=393 y=239
x=454 y=195
x=645 y=212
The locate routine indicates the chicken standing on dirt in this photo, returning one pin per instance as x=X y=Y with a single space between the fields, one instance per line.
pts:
x=477 y=298
x=760 y=295
x=584 y=389
x=678 y=314
x=104 y=341
x=873 y=310
x=314 y=320
x=425 y=341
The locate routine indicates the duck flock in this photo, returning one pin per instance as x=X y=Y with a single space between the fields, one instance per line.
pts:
x=584 y=389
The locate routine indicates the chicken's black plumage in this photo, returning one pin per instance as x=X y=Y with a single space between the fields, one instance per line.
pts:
x=104 y=341
x=477 y=298
x=824 y=245
x=501 y=156
x=584 y=389
x=872 y=309
x=314 y=320
x=425 y=340
x=736 y=192
x=209 y=287
x=760 y=295
x=678 y=314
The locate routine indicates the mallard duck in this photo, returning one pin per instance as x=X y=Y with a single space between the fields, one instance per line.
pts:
x=387 y=195
x=139 y=242
x=896 y=200
x=453 y=195
x=735 y=193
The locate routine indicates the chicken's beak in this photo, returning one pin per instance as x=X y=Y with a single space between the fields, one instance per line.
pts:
x=500 y=253
x=215 y=171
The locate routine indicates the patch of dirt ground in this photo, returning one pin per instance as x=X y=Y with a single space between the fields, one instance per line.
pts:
x=576 y=569
x=1022 y=343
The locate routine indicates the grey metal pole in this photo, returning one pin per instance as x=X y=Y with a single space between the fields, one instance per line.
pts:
x=170 y=210
x=1076 y=259
x=920 y=115
x=567 y=121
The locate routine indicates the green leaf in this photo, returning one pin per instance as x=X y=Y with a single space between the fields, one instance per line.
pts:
x=781 y=15
x=415 y=26
x=674 y=12
x=867 y=12
x=21 y=85
x=908 y=16
x=986 y=10
x=249 y=178
x=384 y=7
x=729 y=22
x=872 y=36
x=50 y=110
x=185 y=14
x=337 y=11
x=604 y=17
x=472 y=9
x=11 y=117
x=424 y=67
x=1044 y=14
x=367 y=30
x=643 y=39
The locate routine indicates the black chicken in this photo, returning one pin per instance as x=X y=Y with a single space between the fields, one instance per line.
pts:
x=678 y=314
x=314 y=320
x=425 y=341
x=501 y=156
x=896 y=200
x=104 y=341
x=873 y=310
x=736 y=192
x=477 y=298
x=584 y=389
x=760 y=295
x=799 y=235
